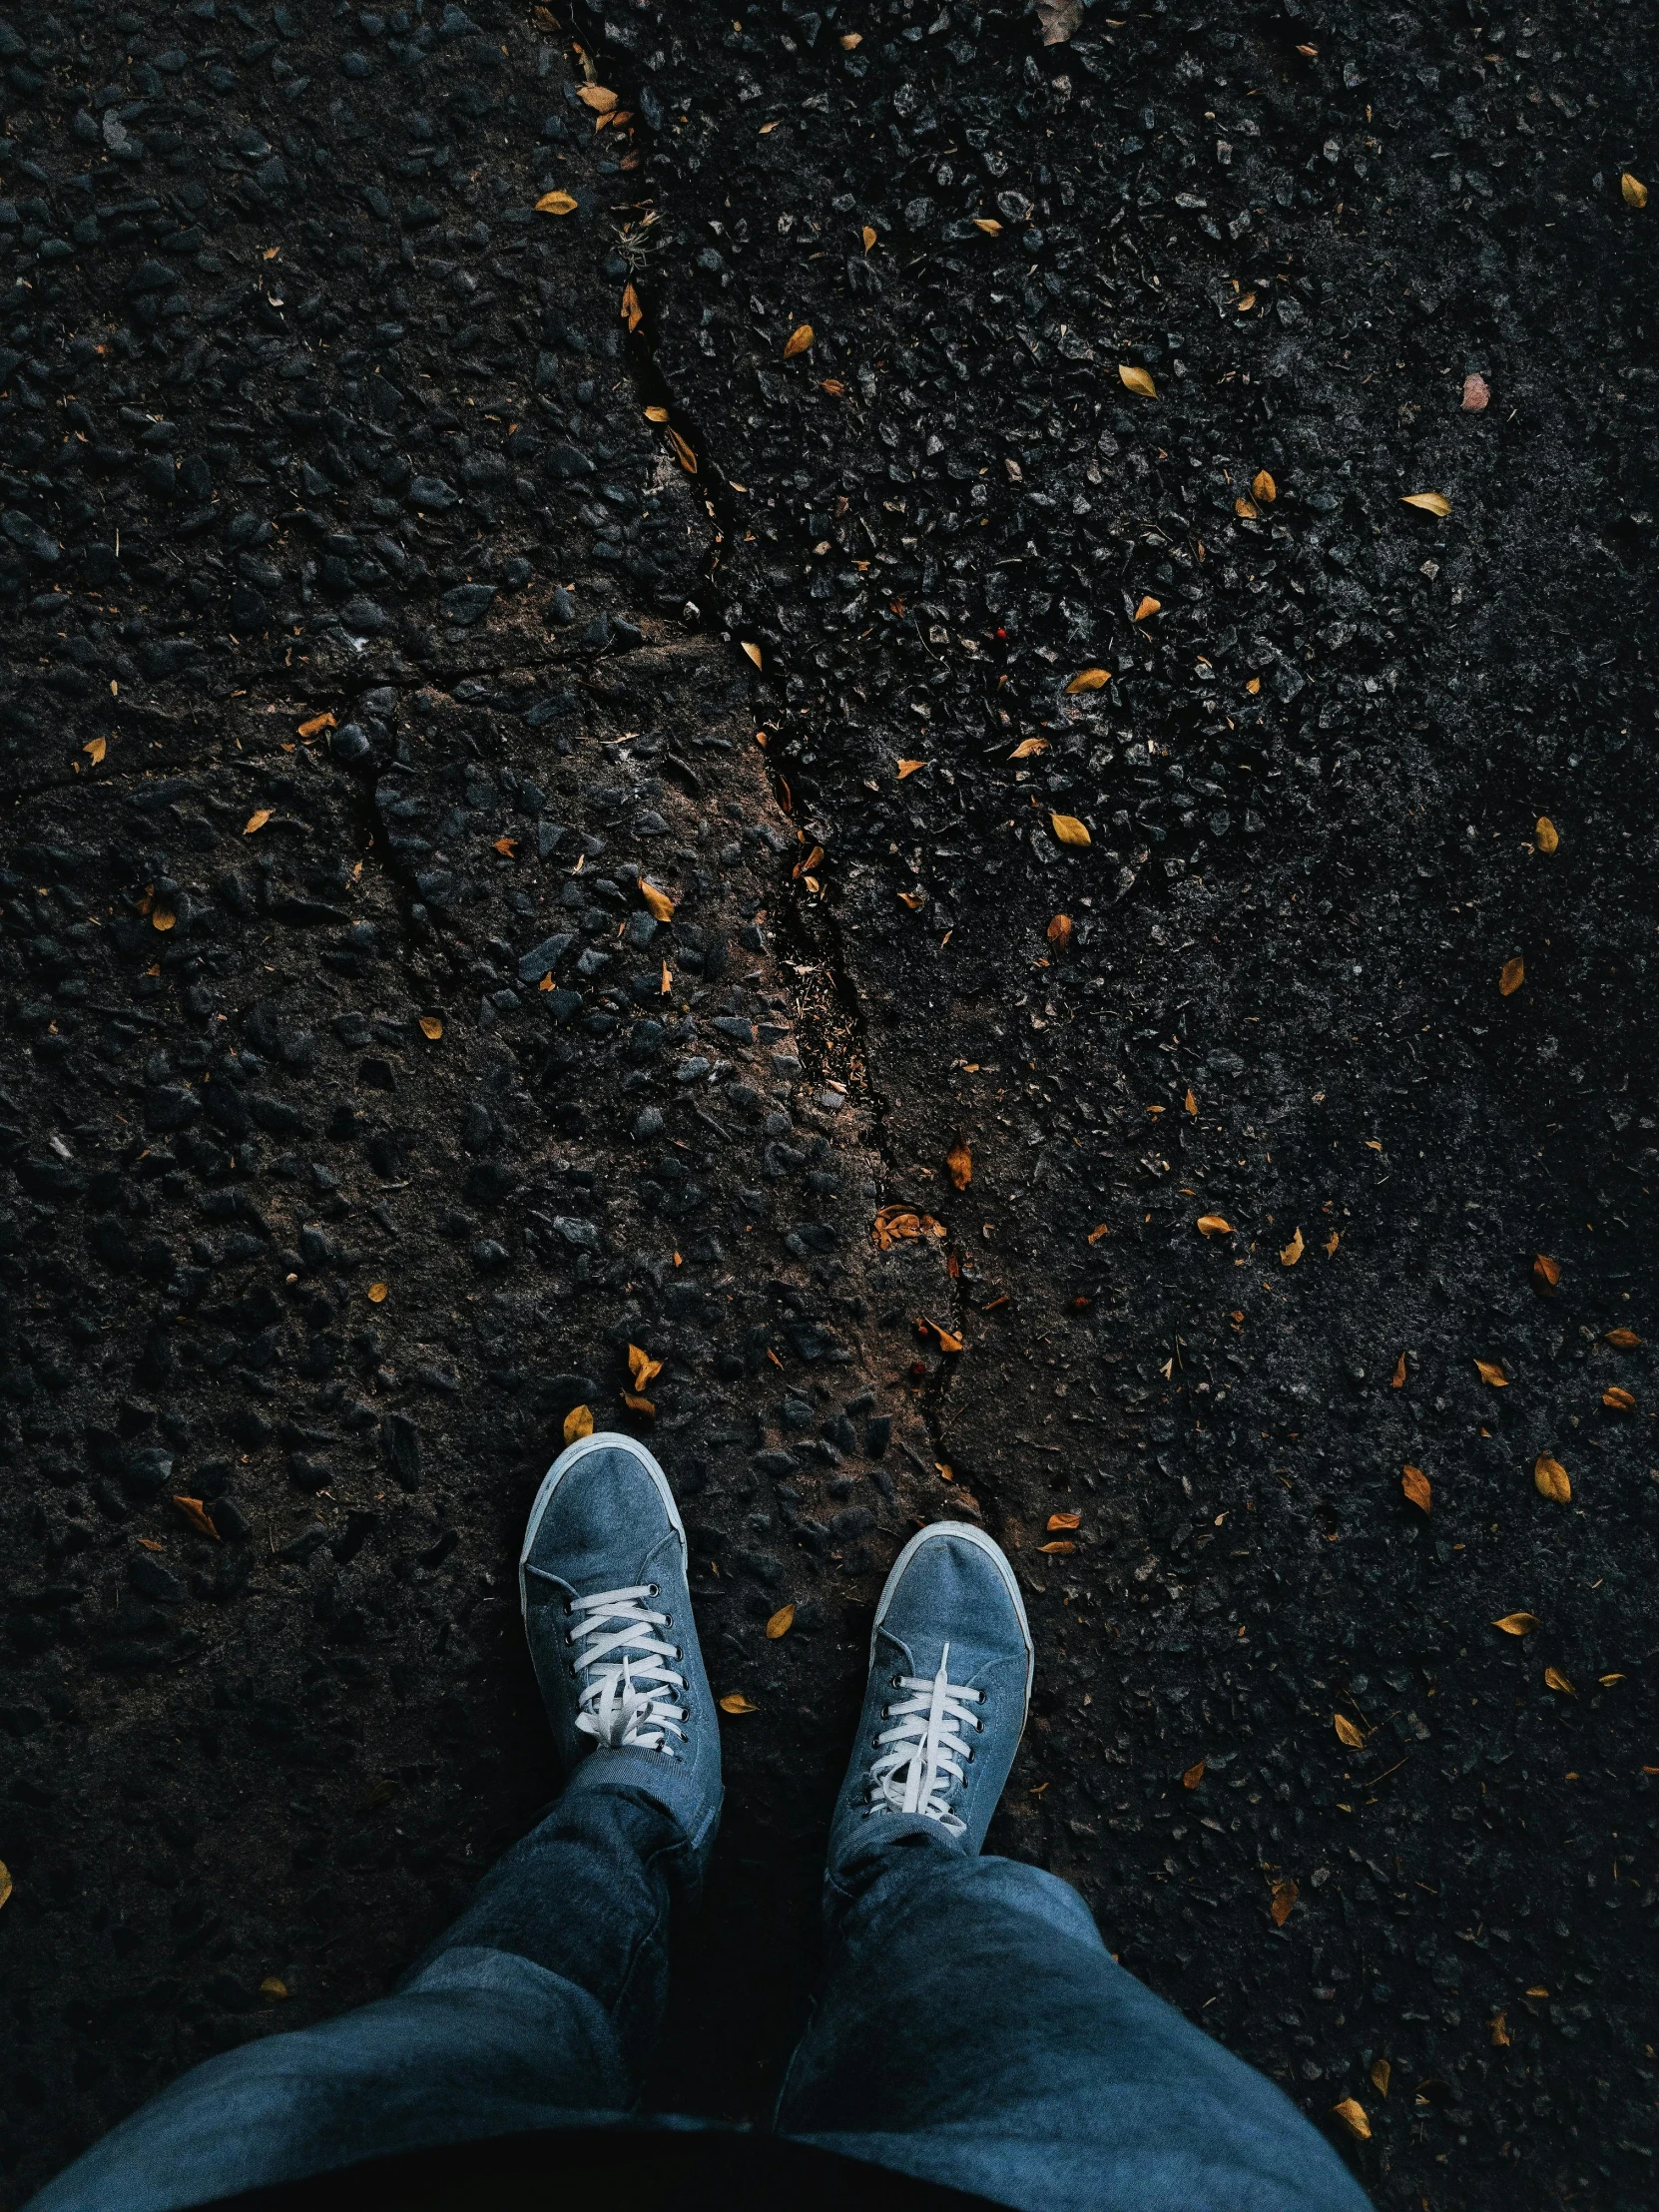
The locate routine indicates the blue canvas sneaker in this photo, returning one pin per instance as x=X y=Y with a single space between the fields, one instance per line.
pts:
x=944 y=1708
x=607 y=1613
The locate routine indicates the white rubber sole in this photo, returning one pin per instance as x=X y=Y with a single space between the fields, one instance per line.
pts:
x=600 y=1441
x=964 y=1532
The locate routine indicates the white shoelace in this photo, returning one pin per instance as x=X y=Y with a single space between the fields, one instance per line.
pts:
x=629 y=1692
x=927 y=1748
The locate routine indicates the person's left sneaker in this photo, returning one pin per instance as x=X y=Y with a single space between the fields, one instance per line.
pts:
x=608 y=1614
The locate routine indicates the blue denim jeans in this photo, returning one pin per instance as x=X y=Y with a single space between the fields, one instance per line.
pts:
x=971 y=2030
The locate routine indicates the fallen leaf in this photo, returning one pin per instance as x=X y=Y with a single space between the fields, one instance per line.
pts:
x=1554 y=1679
x=162 y=917
x=1382 y=2073
x=632 y=312
x=1058 y=1521
x=915 y=901
x=315 y=726
x=1193 y=1775
x=869 y=236
x=1511 y=976
x=1246 y=302
x=1246 y=509
x=753 y=651
x=1254 y=686
x=1635 y=192
x=256 y=821
x=1498 y=2030
x=833 y=386
x=687 y=461
x=908 y=767
x=1190 y=1103
x=898 y=1223
x=638 y=1404
x=274 y=1989
x=851 y=39
x=1264 y=488
x=1137 y=380
x=1099 y=1230
x=1027 y=747
x=657 y=903
x=578 y=1424
x=1617 y=1398
x=736 y=1703
x=800 y=341
x=1148 y=606
x=1064 y=1544
x=656 y=414
x=1331 y=1242
x=196 y=1514
x=1069 y=829
x=1212 y=1225
x=1431 y=502
x=506 y=847
x=781 y=1623
x=1545 y=835
x=5 y=1882
x=1517 y=1624
x=432 y=1027
x=1552 y=1479
x=95 y=749
x=1546 y=1273
x=1476 y=393
x=945 y=1337
x=556 y=203
x=1089 y=679
x=990 y=224
x=597 y=97
x=1285 y=1895
x=959 y=1160
x=642 y=1368
x=1489 y=1372
x=377 y=1294
x=1607 y=1679
x=1061 y=931
x=1396 y=1381
x=1289 y=1254
x=1352 y=2114
x=1347 y=1733
x=1623 y=1340
x=1419 y=1489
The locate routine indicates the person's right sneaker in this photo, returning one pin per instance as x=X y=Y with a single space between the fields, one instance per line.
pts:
x=944 y=1708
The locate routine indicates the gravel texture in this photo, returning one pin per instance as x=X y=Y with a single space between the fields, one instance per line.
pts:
x=1126 y=354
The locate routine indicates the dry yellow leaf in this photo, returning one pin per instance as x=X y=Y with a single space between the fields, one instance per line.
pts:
x=1419 y=1489
x=1063 y=1545
x=1517 y=1624
x=869 y=236
x=1489 y=1372
x=1148 y=606
x=1099 y=1230
x=1212 y=1225
x=945 y=1338
x=377 y=1294
x=656 y=414
x=990 y=224
x=1331 y=1242
x=196 y=1514
x=895 y=1224
x=1285 y=1895
x=851 y=39
x=1247 y=510
x=1498 y=2030
x=1382 y=2073
x=274 y=1989
x=162 y=917
x=1546 y=1273
x=1254 y=686
x=1545 y=835
x=316 y=725
x=632 y=312
x=1289 y=1254
x=1552 y=1479
x=1617 y=1398
x=1264 y=488
x=578 y=1424
x=637 y=1404
x=597 y=97
x=1397 y=1381
x=1069 y=829
x=753 y=651
x=800 y=341
x=915 y=901
x=1511 y=976
x=736 y=1703
x=5 y=1882
x=642 y=1368
x=1061 y=931
x=1622 y=1339
x=1137 y=380
x=1190 y=1103
x=657 y=903
x=908 y=767
x=1554 y=1679
x=781 y=1623
x=1635 y=192
x=95 y=749
x=1090 y=679
x=1607 y=1679
x=432 y=1027
x=1059 y=1522
x=1431 y=502
x=687 y=461
x=1352 y=2114
x=959 y=1161
x=1193 y=1775
x=256 y=821
x=556 y=203
x=1347 y=1733
x=1027 y=747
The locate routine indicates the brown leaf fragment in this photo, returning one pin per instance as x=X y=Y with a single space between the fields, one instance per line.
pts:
x=1554 y=1679
x=908 y=767
x=869 y=237
x=898 y=1223
x=945 y=1338
x=1212 y=1225
x=1193 y=1775
x=556 y=203
x=1489 y=1372
x=1476 y=393
x=1101 y=1229
x=1283 y=1903
x=599 y=98
x=578 y=1424
x=637 y=1404
x=1618 y=1399
x=781 y=1623
x=1069 y=830
x=656 y=414
x=5 y=1882
x=1061 y=931
x=1027 y=747
x=1634 y=191
x=1546 y=1273
x=1058 y=1521
x=1331 y=1242
x=1089 y=679
x=1148 y=607
x=1552 y=1479
x=1419 y=1489
x=1517 y=1624
x=1352 y=2114
x=1498 y=2030
x=657 y=903
x=736 y=1702
x=687 y=461
x=430 y=1028
x=314 y=727
x=1264 y=488
x=1347 y=1733
x=1382 y=2073
x=1137 y=380
x=274 y=1989
x=1246 y=509
x=915 y=901
x=990 y=224
x=95 y=749
x=642 y=1368
x=632 y=312
x=1622 y=1339
x=800 y=341
x=1397 y=1381
x=959 y=1161
x=1545 y=835
x=377 y=1294
x=256 y=821
x=1431 y=502
x=196 y=1514
x=1063 y=1543
x=1289 y=1254
x=1511 y=976
x=1189 y=1105
x=752 y=652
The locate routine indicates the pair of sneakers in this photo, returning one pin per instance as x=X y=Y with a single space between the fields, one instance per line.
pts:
x=603 y=1580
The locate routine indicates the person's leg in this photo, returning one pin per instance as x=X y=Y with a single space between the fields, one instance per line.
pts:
x=539 y=2007
x=972 y=2028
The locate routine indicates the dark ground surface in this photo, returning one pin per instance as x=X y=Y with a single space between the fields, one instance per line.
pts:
x=282 y=1750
